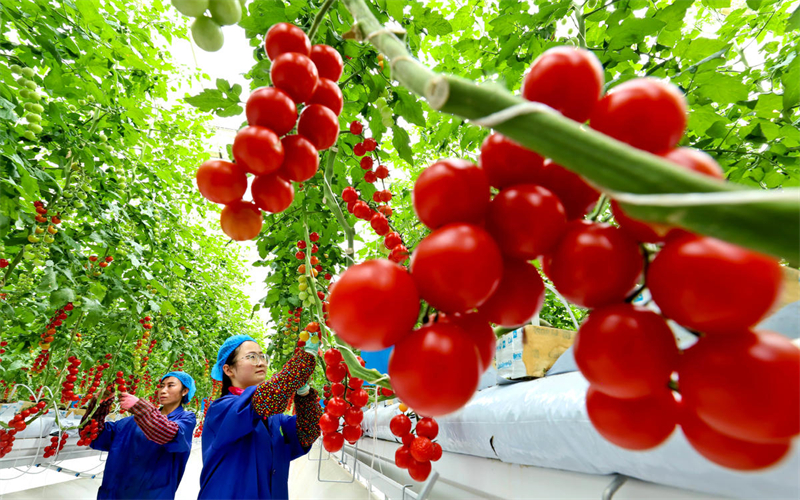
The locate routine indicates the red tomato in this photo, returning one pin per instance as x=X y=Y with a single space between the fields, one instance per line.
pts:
x=400 y=425
x=328 y=61
x=764 y=405
x=381 y=172
x=285 y=37
x=296 y=75
x=271 y=108
x=575 y=194
x=457 y=267
x=476 y=326
x=640 y=231
x=351 y=433
x=408 y=439
x=422 y=449
x=333 y=442
x=728 y=451
x=506 y=163
x=336 y=406
x=272 y=193
x=437 y=452
x=391 y=240
x=337 y=389
x=747 y=284
x=642 y=367
x=451 y=190
x=319 y=125
x=419 y=471
x=329 y=95
x=358 y=398
x=519 y=296
x=526 y=221
x=300 y=159
x=435 y=369
x=353 y=416
x=567 y=79
x=633 y=424
x=427 y=427
x=335 y=373
x=328 y=423
x=258 y=150
x=221 y=181
x=696 y=161
x=646 y=113
x=241 y=220
x=402 y=457
x=333 y=357
x=373 y=305
x=594 y=264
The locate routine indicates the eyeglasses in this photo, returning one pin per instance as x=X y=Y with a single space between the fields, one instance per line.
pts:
x=255 y=358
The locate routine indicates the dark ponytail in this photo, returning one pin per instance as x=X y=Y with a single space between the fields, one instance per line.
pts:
x=226 y=380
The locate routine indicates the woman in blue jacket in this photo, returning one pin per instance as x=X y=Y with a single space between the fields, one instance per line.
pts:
x=247 y=440
x=147 y=452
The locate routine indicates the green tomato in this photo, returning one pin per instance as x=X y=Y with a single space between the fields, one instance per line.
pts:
x=191 y=8
x=207 y=34
x=29 y=135
x=82 y=195
x=28 y=72
x=225 y=12
x=31 y=85
x=37 y=108
x=387 y=122
x=67 y=194
x=102 y=137
x=77 y=204
x=28 y=256
x=35 y=96
x=35 y=128
x=72 y=107
x=302 y=296
x=38 y=262
x=302 y=278
x=82 y=102
x=49 y=239
x=386 y=112
x=25 y=93
x=16 y=69
x=33 y=118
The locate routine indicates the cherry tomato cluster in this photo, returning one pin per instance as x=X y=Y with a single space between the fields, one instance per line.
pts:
x=120 y=381
x=345 y=399
x=739 y=402
x=178 y=364
x=55 y=445
x=68 y=386
x=98 y=377
x=266 y=148
x=89 y=433
x=48 y=336
x=3 y=346
x=199 y=431
x=417 y=451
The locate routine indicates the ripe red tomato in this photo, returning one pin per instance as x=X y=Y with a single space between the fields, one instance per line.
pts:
x=241 y=220
x=328 y=61
x=373 y=305
x=408 y=439
x=329 y=95
x=567 y=79
x=526 y=221
x=633 y=424
x=437 y=452
x=296 y=75
x=319 y=125
x=335 y=373
x=333 y=442
x=333 y=357
x=421 y=449
x=328 y=423
x=506 y=163
x=728 y=451
x=353 y=416
x=762 y=406
x=696 y=161
x=640 y=231
x=336 y=406
x=519 y=296
x=271 y=108
x=272 y=193
x=285 y=37
x=476 y=326
x=680 y=277
x=402 y=457
x=391 y=240
x=427 y=427
x=358 y=398
x=381 y=172
x=646 y=113
x=594 y=264
x=435 y=369
x=300 y=159
x=258 y=150
x=400 y=425
x=457 y=267
x=575 y=194
x=337 y=389
x=221 y=181
x=351 y=433
x=451 y=190
x=419 y=471
x=642 y=367
x=356 y=127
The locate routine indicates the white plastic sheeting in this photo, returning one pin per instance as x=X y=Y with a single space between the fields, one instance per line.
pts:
x=543 y=423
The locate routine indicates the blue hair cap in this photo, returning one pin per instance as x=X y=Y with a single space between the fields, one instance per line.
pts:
x=227 y=348
x=187 y=382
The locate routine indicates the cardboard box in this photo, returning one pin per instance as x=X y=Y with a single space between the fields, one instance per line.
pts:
x=791 y=287
x=530 y=351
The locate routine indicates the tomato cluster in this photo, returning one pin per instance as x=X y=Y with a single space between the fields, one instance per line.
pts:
x=417 y=451
x=48 y=336
x=345 y=399
x=266 y=148
x=739 y=389
x=68 y=386
x=55 y=445
x=89 y=433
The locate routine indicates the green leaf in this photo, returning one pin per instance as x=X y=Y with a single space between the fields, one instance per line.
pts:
x=791 y=80
x=721 y=88
x=48 y=281
x=409 y=107
x=7 y=110
x=168 y=308
x=61 y=297
x=401 y=143
x=793 y=23
x=717 y=4
x=632 y=31
x=673 y=14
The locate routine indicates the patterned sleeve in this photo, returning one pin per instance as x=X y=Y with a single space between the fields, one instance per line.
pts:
x=271 y=397
x=100 y=415
x=309 y=412
x=156 y=427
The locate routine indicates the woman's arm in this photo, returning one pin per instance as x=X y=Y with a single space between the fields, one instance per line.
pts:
x=156 y=426
x=308 y=414
x=272 y=396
